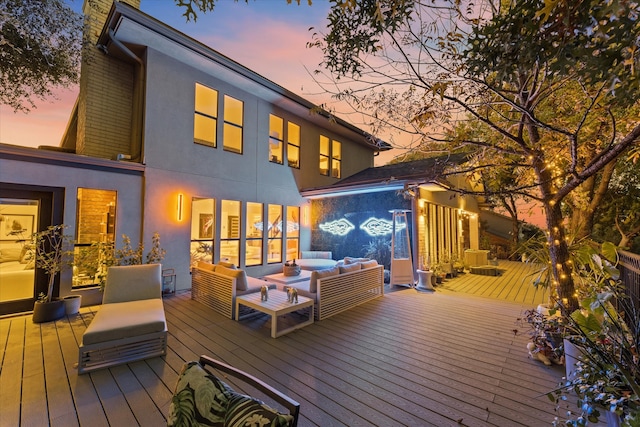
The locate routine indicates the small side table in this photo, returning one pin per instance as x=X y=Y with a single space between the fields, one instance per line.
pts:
x=424 y=280
x=168 y=282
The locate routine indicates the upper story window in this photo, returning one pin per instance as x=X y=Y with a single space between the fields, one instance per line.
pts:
x=276 y=139
x=336 y=159
x=330 y=157
x=233 y=122
x=293 y=145
x=205 y=118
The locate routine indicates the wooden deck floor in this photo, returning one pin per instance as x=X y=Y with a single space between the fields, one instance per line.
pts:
x=444 y=358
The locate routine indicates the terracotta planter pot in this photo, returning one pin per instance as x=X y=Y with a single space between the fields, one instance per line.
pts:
x=48 y=311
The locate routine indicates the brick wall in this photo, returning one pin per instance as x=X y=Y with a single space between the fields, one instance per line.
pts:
x=105 y=104
x=93 y=207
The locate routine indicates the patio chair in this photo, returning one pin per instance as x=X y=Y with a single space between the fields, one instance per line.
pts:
x=130 y=324
x=201 y=394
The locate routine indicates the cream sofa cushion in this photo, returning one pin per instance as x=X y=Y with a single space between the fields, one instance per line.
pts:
x=239 y=275
x=320 y=274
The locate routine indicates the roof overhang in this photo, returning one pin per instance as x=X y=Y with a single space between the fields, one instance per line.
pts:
x=132 y=27
x=347 y=190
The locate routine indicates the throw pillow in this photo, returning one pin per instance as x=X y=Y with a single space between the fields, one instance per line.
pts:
x=199 y=398
x=247 y=411
x=320 y=274
x=349 y=267
x=351 y=260
x=206 y=266
x=31 y=265
x=239 y=275
x=26 y=254
x=369 y=264
x=10 y=254
x=228 y=264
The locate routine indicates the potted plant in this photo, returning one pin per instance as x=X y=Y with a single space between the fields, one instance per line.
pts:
x=51 y=256
x=606 y=378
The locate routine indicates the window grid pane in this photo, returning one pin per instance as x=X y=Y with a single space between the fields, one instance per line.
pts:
x=233 y=123
x=254 y=233
x=293 y=145
x=230 y=231
x=275 y=234
x=276 y=138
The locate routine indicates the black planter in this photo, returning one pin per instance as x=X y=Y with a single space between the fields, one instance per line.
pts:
x=48 y=311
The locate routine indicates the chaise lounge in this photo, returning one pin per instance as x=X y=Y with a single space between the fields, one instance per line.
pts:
x=130 y=324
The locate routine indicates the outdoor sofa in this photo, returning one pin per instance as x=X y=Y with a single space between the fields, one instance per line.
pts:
x=353 y=282
x=217 y=285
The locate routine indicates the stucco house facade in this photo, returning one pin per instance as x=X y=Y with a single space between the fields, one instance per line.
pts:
x=169 y=136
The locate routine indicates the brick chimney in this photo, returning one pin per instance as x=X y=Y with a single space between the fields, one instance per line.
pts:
x=105 y=126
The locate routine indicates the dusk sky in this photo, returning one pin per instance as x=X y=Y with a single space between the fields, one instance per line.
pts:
x=267 y=36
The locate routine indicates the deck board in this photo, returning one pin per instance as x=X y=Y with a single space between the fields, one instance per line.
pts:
x=443 y=358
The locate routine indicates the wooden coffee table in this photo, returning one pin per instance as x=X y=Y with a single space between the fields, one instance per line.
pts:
x=276 y=305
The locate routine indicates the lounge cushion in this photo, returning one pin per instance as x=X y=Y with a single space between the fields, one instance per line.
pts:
x=125 y=319
x=200 y=398
x=349 y=267
x=239 y=275
x=320 y=274
x=368 y=264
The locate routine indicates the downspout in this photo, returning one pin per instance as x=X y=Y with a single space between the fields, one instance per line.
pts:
x=138 y=100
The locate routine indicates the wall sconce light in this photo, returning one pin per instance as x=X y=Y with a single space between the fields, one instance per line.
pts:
x=180 y=197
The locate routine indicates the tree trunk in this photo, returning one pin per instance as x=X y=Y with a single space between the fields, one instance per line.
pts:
x=562 y=282
x=596 y=193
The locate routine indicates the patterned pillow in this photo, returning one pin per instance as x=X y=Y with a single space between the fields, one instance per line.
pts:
x=246 y=411
x=201 y=398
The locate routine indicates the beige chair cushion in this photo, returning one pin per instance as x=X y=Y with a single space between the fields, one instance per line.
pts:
x=320 y=274
x=239 y=275
x=133 y=282
x=125 y=319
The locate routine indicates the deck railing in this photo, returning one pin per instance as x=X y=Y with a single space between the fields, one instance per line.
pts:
x=629 y=264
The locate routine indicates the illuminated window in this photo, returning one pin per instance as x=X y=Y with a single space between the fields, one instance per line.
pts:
x=275 y=234
x=230 y=232
x=206 y=116
x=254 y=233
x=336 y=159
x=203 y=229
x=276 y=139
x=330 y=157
x=233 y=122
x=293 y=232
x=95 y=234
x=325 y=154
x=293 y=145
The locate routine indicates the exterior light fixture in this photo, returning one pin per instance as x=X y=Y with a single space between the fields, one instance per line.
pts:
x=180 y=199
